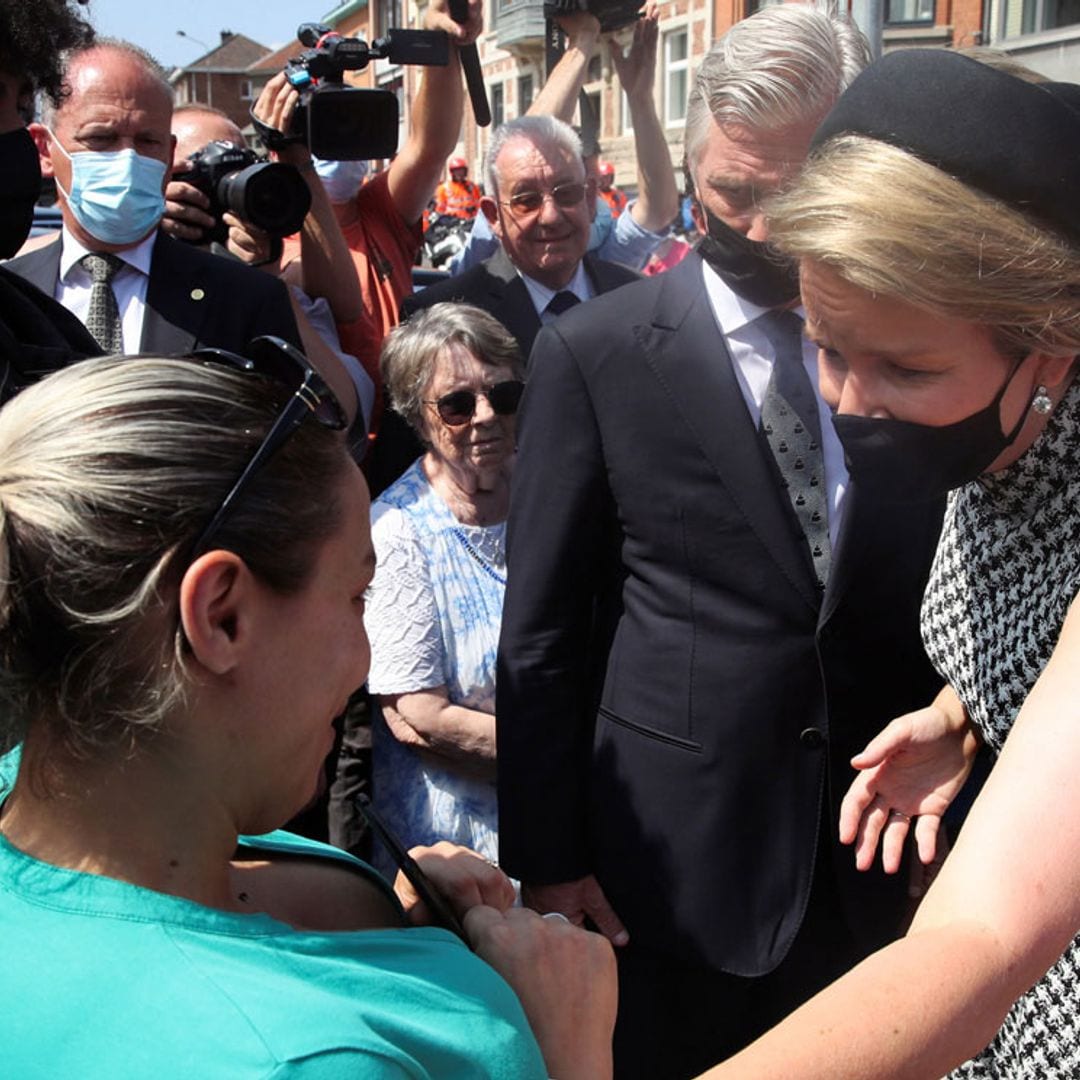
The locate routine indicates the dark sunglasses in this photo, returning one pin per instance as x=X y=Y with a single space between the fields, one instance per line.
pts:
x=286 y=365
x=458 y=407
x=565 y=196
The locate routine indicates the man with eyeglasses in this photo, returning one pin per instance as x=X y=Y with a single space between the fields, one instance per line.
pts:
x=537 y=207
x=703 y=624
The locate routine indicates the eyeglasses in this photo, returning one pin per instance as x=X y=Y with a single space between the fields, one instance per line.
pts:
x=458 y=407
x=285 y=364
x=565 y=196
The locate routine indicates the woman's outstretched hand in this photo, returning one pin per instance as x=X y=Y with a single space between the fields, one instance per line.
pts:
x=911 y=770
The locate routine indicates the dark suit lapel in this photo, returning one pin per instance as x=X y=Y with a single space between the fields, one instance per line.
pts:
x=40 y=267
x=687 y=353
x=179 y=295
x=844 y=556
x=511 y=300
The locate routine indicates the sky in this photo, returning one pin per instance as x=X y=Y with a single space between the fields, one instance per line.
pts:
x=153 y=25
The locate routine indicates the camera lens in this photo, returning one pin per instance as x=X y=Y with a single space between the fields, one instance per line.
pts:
x=270 y=196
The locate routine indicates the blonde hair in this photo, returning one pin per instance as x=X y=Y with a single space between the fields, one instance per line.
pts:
x=891 y=224
x=411 y=351
x=109 y=469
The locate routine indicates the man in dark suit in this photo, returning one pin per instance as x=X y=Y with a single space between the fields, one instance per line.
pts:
x=538 y=207
x=703 y=619
x=109 y=146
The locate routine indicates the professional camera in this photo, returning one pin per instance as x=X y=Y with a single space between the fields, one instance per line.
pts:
x=347 y=123
x=270 y=196
x=612 y=14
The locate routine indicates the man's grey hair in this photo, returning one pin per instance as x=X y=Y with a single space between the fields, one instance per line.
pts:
x=785 y=65
x=142 y=58
x=541 y=130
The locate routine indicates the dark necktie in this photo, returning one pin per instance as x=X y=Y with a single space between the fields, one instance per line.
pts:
x=103 y=319
x=561 y=301
x=791 y=424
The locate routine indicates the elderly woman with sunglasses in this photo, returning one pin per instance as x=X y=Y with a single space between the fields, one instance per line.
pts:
x=435 y=604
x=184 y=551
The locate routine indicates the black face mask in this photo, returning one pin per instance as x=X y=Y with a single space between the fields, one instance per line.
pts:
x=907 y=463
x=749 y=267
x=20 y=185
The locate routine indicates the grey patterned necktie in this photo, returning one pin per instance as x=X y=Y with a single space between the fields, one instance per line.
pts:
x=103 y=319
x=792 y=426
x=562 y=301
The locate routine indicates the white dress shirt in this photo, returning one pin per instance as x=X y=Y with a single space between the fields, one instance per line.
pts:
x=541 y=295
x=753 y=355
x=129 y=285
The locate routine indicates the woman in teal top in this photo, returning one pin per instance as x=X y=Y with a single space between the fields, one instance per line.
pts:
x=174 y=645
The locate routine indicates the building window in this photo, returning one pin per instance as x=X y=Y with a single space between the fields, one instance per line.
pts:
x=389 y=15
x=498 y=105
x=1034 y=16
x=909 y=11
x=247 y=92
x=627 y=119
x=676 y=76
x=525 y=93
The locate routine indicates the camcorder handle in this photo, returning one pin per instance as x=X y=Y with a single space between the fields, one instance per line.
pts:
x=470 y=64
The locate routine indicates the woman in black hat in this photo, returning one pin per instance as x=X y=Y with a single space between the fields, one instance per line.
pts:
x=938 y=231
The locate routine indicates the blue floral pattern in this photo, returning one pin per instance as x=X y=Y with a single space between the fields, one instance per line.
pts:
x=433 y=614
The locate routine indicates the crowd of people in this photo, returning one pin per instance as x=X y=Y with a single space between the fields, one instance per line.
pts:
x=662 y=616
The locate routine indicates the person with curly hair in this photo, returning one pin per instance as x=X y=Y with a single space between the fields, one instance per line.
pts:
x=36 y=333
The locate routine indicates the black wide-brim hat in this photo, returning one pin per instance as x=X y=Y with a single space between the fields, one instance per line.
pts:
x=1014 y=140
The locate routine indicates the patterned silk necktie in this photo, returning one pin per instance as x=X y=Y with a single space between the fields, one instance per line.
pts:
x=561 y=301
x=792 y=426
x=103 y=319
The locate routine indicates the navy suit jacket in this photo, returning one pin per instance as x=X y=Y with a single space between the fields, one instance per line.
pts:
x=676 y=702
x=496 y=286
x=193 y=298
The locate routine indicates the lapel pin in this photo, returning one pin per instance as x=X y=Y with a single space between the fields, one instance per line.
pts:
x=197 y=294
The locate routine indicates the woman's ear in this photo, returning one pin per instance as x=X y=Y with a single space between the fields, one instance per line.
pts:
x=216 y=595
x=1050 y=371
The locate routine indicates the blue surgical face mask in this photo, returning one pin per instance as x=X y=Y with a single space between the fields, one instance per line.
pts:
x=342 y=179
x=601 y=225
x=116 y=195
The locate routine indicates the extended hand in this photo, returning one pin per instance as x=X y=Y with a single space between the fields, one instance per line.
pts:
x=912 y=769
x=565 y=980
x=637 y=68
x=437 y=17
x=578 y=900
x=186 y=208
x=460 y=875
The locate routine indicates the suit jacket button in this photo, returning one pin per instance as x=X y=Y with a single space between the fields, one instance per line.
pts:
x=811 y=738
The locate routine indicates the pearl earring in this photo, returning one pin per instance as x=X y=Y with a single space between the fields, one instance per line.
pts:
x=1041 y=402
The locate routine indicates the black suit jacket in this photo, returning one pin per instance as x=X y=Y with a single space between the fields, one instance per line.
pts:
x=676 y=704
x=193 y=298
x=497 y=287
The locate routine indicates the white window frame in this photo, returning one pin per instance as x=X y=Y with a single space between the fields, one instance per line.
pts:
x=673 y=68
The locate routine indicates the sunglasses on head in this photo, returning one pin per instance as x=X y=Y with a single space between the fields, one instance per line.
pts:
x=286 y=365
x=458 y=407
x=565 y=196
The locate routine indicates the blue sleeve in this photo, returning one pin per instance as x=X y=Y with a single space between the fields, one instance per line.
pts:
x=480 y=245
x=628 y=243
x=340 y=1065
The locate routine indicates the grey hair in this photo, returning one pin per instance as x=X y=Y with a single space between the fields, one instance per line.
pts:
x=109 y=470
x=50 y=105
x=785 y=65
x=411 y=351
x=546 y=131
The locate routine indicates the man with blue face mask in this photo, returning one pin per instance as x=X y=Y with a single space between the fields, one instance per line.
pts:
x=109 y=148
